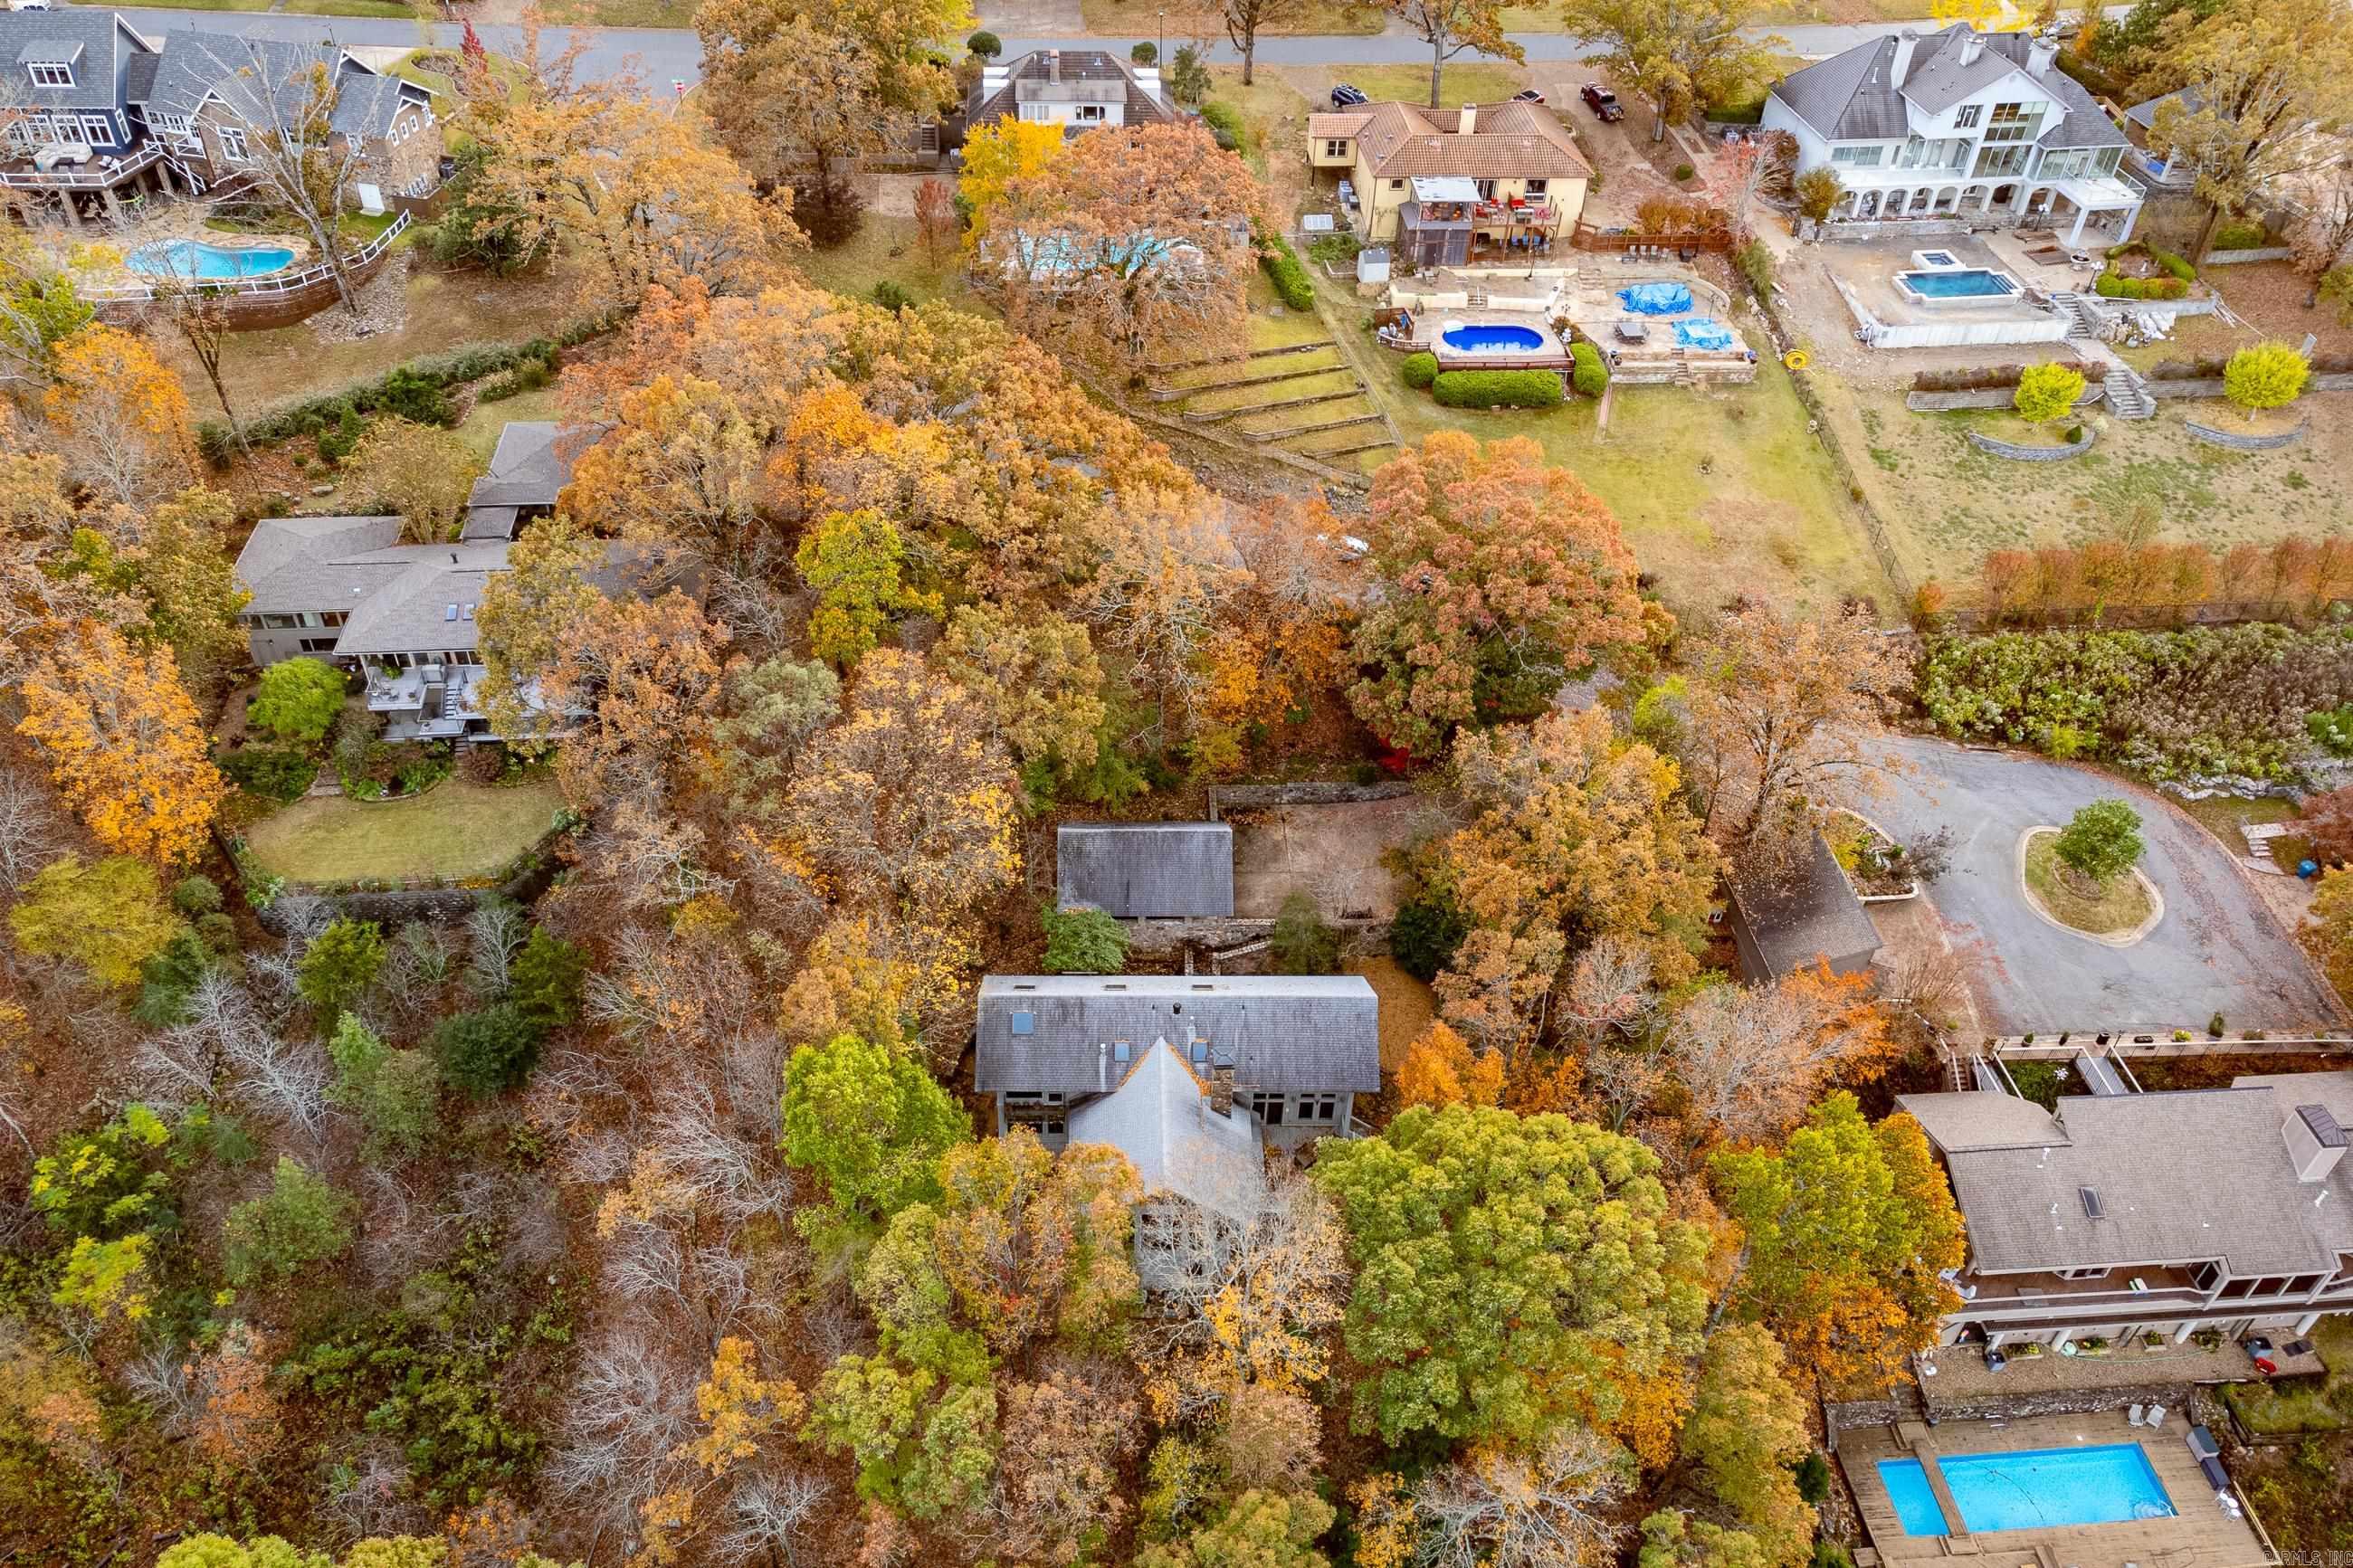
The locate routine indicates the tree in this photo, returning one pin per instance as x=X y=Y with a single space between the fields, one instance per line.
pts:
x=1303 y=941
x=873 y=1124
x=2323 y=233
x=2047 y=392
x=1747 y=1431
x=1679 y=54
x=1037 y=673
x=179 y=564
x=422 y=472
x=2101 y=842
x=1751 y=1058
x=851 y=560
x=489 y=1050
x=1493 y=1298
x=109 y=917
x=1261 y=1529
x=1818 y=189
x=2263 y=80
x=1672 y=1538
x=680 y=471
x=1784 y=717
x=2265 y=375
x=1439 y=1070
x=302 y=1220
x=298 y=699
x=125 y=745
x=769 y=711
x=1500 y=577
x=197 y=312
x=1244 y=20
x=396 y=1094
x=1082 y=942
x=996 y=156
x=1850 y=1227
x=647 y=672
x=1450 y=27
x=118 y=415
x=1551 y=1510
x=2328 y=934
x=339 y=966
x=548 y=973
x=1067 y=1439
x=1161 y=592
x=937 y=222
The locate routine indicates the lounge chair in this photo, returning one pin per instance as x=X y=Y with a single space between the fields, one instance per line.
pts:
x=2156 y=1416
x=2133 y=1414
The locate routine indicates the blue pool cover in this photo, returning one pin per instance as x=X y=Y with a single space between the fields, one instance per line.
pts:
x=1656 y=298
x=2034 y=1489
x=1703 y=332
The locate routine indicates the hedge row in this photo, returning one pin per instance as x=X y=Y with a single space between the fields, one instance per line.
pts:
x=2241 y=234
x=1419 y=370
x=1497 y=388
x=1591 y=375
x=1225 y=124
x=2209 y=367
x=2108 y=286
x=1290 y=277
x=1999 y=377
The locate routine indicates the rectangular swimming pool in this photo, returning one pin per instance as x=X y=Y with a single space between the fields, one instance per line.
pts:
x=1958 y=284
x=2033 y=1489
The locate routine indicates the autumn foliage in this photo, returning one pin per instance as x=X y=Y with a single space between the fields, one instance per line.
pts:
x=124 y=743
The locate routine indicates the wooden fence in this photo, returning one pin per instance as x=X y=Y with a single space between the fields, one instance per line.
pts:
x=1587 y=237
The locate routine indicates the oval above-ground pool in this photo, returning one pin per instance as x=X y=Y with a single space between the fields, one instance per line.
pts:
x=1491 y=339
x=194 y=258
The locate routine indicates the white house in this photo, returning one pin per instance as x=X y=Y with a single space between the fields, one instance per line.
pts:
x=1077 y=89
x=1959 y=129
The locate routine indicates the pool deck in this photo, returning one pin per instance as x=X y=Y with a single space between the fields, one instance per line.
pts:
x=2199 y=1536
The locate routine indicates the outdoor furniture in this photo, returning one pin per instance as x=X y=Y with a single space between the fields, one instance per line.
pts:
x=2133 y=1414
x=2156 y=1417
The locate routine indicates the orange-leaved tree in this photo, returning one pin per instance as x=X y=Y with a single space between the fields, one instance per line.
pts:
x=1751 y=1058
x=119 y=416
x=124 y=743
x=1439 y=1069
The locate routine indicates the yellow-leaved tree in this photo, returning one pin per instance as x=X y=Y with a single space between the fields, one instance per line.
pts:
x=119 y=416
x=996 y=155
x=124 y=742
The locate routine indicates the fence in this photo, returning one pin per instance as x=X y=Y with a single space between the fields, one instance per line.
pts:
x=1589 y=238
x=278 y=284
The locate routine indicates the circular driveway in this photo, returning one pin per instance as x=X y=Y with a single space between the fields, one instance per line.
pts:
x=2218 y=949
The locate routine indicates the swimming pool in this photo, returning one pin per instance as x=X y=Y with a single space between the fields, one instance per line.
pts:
x=1492 y=340
x=2034 y=1489
x=1958 y=284
x=194 y=258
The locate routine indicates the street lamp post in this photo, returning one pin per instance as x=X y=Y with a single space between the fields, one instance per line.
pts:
x=1161 y=59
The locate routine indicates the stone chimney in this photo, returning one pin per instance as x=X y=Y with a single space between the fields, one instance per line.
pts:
x=2315 y=1142
x=1972 y=44
x=1053 y=65
x=1901 y=65
x=1470 y=121
x=1222 y=1088
x=2043 y=53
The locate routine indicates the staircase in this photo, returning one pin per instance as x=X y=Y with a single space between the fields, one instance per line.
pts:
x=2129 y=396
x=1682 y=368
x=2080 y=322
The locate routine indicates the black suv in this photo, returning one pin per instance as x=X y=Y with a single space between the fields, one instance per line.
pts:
x=1346 y=96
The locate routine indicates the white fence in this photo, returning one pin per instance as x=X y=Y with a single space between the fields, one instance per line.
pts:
x=269 y=284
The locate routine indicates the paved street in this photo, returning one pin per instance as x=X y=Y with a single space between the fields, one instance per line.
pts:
x=2218 y=949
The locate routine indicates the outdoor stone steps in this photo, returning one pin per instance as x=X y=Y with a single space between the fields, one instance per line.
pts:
x=1352 y=451
x=2129 y=396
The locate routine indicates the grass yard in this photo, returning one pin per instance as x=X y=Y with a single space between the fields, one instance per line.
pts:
x=1466 y=81
x=622 y=12
x=886 y=247
x=2304 y=1404
x=1946 y=503
x=459 y=830
x=1133 y=19
x=2120 y=906
x=301 y=8
x=1274 y=126
x=479 y=429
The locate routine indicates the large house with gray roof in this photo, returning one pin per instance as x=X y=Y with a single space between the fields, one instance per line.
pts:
x=1958 y=129
x=1293 y=1050
x=529 y=469
x=2125 y=1214
x=1077 y=90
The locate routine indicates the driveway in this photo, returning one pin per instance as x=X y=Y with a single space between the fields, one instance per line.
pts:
x=2218 y=949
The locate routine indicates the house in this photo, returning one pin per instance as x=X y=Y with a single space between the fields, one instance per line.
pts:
x=2128 y=1213
x=2145 y=166
x=1186 y=1136
x=1784 y=923
x=1958 y=129
x=529 y=469
x=1444 y=188
x=1297 y=1049
x=1077 y=89
x=1146 y=870
x=102 y=117
x=346 y=590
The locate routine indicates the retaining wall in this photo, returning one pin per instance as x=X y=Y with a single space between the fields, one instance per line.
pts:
x=1987 y=398
x=1245 y=797
x=2330 y=381
x=2238 y=257
x=2238 y=443
x=2018 y=453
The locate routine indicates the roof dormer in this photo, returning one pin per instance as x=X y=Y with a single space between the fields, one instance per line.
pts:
x=50 y=62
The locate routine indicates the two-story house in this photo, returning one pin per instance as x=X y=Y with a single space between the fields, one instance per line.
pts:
x=1293 y=1050
x=2125 y=1214
x=1077 y=89
x=1958 y=129
x=1499 y=181
x=74 y=147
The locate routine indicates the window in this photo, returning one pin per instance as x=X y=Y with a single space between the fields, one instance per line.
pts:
x=1486 y=189
x=281 y=623
x=232 y=143
x=98 y=128
x=1336 y=147
x=1967 y=119
x=331 y=617
x=1268 y=1108
x=1397 y=185
x=52 y=73
x=1323 y=1108
x=1857 y=157
x=169 y=124
x=318 y=645
x=1537 y=187
x=1090 y=111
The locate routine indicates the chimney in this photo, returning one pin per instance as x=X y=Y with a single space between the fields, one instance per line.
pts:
x=1901 y=67
x=1222 y=1088
x=1103 y=1067
x=2315 y=1142
x=1972 y=44
x=2043 y=53
x=1470 y=121
x=1053 y=65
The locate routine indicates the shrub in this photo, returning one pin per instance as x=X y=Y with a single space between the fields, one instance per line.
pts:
x=545 y=984
x=167 y=977
x=1303 y=941
x=1813 y=1476
x=2264 y=375
x=486 y=1051
x=196 y=896
x=2110 y=286
x=2101 y=840
x=1282 y=264
x=273 y=772
x=302 y=1220
x=1818 y=189
x=986 y=44
x=1419 y=371
x=218 y=930
x=1590 y=372
x=1144 y=55
x=336 y=441
x=2175 y=265
x=338 y=967
x=1497 y=388
x=1423 y=937
x=891 y=296
x=396 y=1095
x=1225 y=122
x=411 y=395
x=1685 y=171
x=1756 y=261
x=1083 y=941
x=2239 y=234
x=2046 y=392
x=298 y=699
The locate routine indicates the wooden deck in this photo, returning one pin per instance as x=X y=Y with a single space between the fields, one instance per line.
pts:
x=2200 y=1535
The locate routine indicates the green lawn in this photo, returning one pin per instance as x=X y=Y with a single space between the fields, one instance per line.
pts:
x=303 y=7
x=479 y=429
x=2303 y=1405
x=1134 y=19
x=1467 y=81
x=887 y=248
x=459 y=830
x=624 y=13
x=2120 y=906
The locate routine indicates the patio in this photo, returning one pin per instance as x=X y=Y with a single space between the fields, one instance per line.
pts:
x=1961 y=1377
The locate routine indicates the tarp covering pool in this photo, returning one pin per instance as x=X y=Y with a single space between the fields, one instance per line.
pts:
x=1656 y=298
x=1703 y=332
x=1493 y=339
x=193 y=258
x=2035 y=1488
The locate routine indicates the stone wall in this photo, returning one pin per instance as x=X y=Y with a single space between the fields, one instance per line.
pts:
x=2019 y=454
x=2064 y=1401
x=2239 y=443
x=2328 y=381
x=1986 y=397
x=2238 y=257
x=1246 y=798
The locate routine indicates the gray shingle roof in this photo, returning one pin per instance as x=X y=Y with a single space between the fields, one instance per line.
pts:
x=1847 y=96
x=293 y=564
x=1942 y=75
x=2180 y=1178
x=531 y=463
x=1286 y=1033
x=1137 y=870
x=97 y=44
x=1075 y=66
x=1159 y=1117
x=1971 y=1121
x=1853 y=96
x=1813 y=913
x=260 y=80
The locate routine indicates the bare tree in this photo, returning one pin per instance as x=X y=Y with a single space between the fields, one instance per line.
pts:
x=496 y=931
x=770 y=1515
x=2324 y=231
x=631 y=1407
x=1609 y=989
x=198 y=313
x=31 y=832
x=282 y=1080
x=1554 y=1510
x=1752 y=1056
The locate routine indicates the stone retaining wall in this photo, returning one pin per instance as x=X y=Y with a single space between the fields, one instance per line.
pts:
x=2212 y=387
x=1984 y=397
x=2174 y=1396
x=2018 y=453
x=2239 y=258
x=1245 y=797
x=2238 y=443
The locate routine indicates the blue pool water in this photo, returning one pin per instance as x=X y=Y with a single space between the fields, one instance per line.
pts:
x=192 y=258
x=1960 y=283
x=2037 y=1489
x=1493 y=340
x=1703 y=332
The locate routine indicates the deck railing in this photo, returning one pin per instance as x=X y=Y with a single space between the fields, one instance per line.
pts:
x=96 y=175
x=272 y=284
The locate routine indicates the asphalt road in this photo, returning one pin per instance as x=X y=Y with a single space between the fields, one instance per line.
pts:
x=661 y=56
x=2218 y=949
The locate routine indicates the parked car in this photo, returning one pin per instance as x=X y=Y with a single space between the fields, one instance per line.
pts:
x=1602 y=102
x=1346 y=96
x=1528 y=95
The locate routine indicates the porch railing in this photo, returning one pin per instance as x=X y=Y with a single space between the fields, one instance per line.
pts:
x=272 y=284
x=97 y=175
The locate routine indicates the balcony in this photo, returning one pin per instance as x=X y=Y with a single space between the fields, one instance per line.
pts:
x=94 y=174
x=2031 y=1302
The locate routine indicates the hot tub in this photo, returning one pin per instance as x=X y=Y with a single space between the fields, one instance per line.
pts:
x=1946 y=287
x=1492 y=340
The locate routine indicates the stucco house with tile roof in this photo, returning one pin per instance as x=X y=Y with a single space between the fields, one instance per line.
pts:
x=2124 y=1213
x=1452 y=186
x=1294 y=1050
x=1959 y=128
